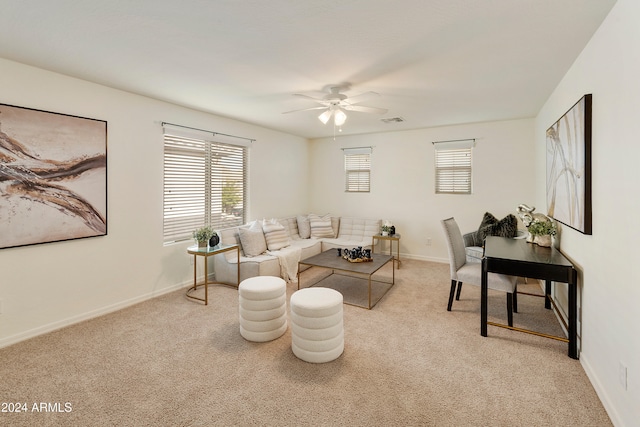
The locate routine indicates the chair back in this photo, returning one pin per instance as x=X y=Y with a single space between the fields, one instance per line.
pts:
x=455 y=245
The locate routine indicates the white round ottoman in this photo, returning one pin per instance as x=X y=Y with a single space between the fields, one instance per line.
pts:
x=263 y=308
x=317 y=332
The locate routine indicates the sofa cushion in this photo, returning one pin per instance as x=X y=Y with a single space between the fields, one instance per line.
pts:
x=304 y=226
x=291 y=227
x=252 y=239
x=335 y=224
x=321 y=226
x=358 y=228
x=275 y=234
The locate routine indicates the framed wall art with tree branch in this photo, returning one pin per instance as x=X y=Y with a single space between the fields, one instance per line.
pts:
x=569 y=167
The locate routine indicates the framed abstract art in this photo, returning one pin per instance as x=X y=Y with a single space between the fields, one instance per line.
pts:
x=53 y=177
x=569 y=167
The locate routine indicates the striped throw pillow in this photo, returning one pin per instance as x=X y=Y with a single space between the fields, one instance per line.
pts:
x=275 y=234
x=321 y=226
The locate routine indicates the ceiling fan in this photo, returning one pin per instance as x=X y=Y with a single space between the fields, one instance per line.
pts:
x=336 y=104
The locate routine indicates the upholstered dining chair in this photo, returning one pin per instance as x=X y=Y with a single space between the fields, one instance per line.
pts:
x=471 y=273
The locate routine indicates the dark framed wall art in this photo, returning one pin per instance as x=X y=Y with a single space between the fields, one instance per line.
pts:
x=53 y=177
x=569 y=167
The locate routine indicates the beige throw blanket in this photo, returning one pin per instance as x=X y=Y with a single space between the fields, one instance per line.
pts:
x=288 y=258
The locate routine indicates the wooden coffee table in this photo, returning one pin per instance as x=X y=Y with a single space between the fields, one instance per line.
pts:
x=347 y=275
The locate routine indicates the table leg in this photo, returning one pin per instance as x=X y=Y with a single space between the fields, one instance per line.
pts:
x=195 y=272
x=573 y=317
x=206 y=281
x=393 y=275
x=483 y=299
x=547 y=294
x=370 y=288
x=238 y=253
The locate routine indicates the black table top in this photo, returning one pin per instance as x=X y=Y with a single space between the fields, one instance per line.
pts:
x=521 y=250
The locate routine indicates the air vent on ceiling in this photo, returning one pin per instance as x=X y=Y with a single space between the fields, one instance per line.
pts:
x=393 y=120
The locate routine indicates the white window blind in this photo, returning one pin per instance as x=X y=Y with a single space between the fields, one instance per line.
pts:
x=205 y=183
x=357 y=166
x=453 y=166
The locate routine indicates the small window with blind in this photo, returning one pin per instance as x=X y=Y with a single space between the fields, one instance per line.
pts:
x=453 y=166
x=357 y=168
x=205 y=182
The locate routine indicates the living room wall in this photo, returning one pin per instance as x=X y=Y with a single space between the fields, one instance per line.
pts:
x=403 y=180
x=608 y=68
x=47 y=286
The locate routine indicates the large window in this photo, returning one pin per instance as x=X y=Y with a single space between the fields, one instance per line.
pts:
x=205 y=183
x=453 y=166
x=357 y=167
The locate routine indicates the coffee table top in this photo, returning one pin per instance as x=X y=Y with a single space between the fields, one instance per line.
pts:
x=330 y=259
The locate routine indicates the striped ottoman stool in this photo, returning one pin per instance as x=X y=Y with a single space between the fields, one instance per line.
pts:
x=263 y=308
x=317 y=332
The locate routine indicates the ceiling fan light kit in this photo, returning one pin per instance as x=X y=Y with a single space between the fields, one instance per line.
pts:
x=340 y=117
x=324 y=117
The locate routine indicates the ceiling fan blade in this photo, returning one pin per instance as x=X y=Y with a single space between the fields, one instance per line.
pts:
x=362 y=97
x=318 y=100
x=363 y=109
x=305 y=109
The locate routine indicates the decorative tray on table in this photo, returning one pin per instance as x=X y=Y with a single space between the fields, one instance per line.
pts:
x=356 y=255
x=358 y=259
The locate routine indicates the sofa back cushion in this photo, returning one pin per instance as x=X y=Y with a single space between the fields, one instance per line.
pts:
x=358 y=228
x=229 y=236
x=304 y=226
x=275 y=234
x=252 y=239
x=291 y=227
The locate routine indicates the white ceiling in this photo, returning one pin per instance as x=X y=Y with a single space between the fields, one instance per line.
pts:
x=433 y=62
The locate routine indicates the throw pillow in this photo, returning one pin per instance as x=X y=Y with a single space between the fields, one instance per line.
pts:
x=321 y=226
x=506 y=227
x=304 y=227
x=483 y=230
x=491 y=226
x=252 y=239
x=335 y=224
x=275 y=234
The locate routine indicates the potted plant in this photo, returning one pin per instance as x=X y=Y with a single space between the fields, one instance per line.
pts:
x=202 y=236
x=540 y=232
x=386 y=229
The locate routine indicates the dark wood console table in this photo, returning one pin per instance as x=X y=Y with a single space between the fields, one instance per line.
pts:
x=516 y=257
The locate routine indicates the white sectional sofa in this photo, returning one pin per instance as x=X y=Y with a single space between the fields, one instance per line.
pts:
x=273 y=247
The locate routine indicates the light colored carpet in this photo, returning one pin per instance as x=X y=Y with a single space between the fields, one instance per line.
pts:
x=175 y=362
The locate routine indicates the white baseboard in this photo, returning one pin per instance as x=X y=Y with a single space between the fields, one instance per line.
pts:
x=32 y=333
x=424 y=258
x=600 y=391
